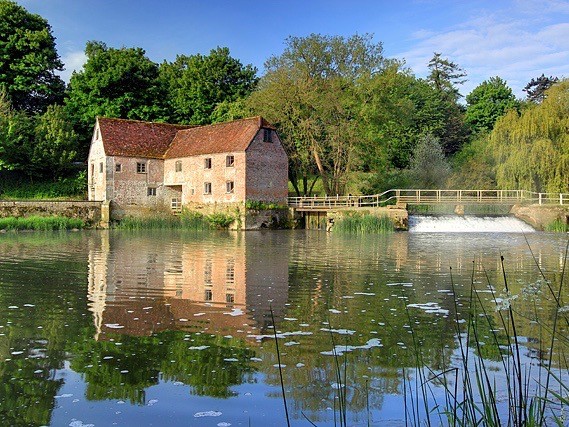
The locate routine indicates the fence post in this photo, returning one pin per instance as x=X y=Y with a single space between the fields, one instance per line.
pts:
x=540 y=194
x=561 y=198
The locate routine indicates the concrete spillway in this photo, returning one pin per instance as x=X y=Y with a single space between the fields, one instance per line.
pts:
x=467 y=224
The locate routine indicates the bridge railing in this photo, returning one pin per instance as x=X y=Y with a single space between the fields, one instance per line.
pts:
x=424 y=196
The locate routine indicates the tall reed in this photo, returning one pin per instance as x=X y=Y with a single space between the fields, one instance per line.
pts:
x=40 y=223
x=363 y=224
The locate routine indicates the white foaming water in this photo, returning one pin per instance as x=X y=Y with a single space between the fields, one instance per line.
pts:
x=467 y=224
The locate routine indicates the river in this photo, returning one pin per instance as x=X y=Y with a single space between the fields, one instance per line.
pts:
x=101 y=328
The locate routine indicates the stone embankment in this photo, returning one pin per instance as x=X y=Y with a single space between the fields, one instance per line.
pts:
x=540 y=216
x=90 y=212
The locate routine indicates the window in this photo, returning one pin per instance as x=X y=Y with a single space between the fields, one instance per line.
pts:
x=97 y=134
x=118 y=167
x=207 y=163
x=151 y=191
x=208 y=295
x=101 y=167
x=267 y=135
x=207 y=188
x=178 y=166
x=230 y=161
x=229 y=185
x=229 y=298
x=141 y=167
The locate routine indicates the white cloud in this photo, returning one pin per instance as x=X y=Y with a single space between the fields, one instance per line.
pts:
x=73 y=61
x=517 y=45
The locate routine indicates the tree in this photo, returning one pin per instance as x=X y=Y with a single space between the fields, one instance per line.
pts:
x=445 y=75
x=55 y=144
x=28 y=59
x=536 y=88
x=429 y=167
x=531 y=149
x=487 y=102
x=16 y=132
x=309 y=92
x=121 y=83
x=196 y=84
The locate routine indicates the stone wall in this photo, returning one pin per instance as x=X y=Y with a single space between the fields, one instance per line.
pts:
x=89 y=212
x=540 y=216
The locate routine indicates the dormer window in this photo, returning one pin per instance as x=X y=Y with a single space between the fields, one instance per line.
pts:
x=267 y=135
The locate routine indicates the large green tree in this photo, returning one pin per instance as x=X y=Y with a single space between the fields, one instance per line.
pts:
x=429 y=168
x=445 y=76
x=120 y=83
x=487 y=102
x=196 y=84
x=309 y=92
x=28 y=59
x=531 y=150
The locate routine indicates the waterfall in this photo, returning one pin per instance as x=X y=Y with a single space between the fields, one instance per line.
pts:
x=467 y=224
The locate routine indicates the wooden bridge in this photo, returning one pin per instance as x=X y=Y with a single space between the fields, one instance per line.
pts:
x=428 y=197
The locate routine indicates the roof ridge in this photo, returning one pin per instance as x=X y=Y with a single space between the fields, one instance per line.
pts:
x=146 y=122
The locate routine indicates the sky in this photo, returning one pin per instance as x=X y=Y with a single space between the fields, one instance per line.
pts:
x=516 y=40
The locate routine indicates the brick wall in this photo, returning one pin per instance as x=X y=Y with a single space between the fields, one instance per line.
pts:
x=267 y=170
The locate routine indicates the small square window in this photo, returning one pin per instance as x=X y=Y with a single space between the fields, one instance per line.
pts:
x=101 y=167
x=118 y=167
x=207 y=188
x=151 y=191
x=207 y=163
x=229 y=186
x=179 y=166
x=230 y=161
x=230 y=298
x=267 y=135
x=141 y=167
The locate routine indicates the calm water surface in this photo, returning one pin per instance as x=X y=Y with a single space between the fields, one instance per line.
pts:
x=109 y=328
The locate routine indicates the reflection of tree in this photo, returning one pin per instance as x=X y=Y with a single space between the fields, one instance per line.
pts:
x=35 y=335
x=124 y=366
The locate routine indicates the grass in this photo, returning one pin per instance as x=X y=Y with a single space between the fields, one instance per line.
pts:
x=188 y=220
x=40 y=223
x=363 y=224
x=558 y=226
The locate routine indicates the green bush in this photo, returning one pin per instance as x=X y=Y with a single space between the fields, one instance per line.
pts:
x=70 y=187
x=220 y=220
x=40 y=223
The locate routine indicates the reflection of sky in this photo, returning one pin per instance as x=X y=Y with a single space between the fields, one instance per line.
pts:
x=168 y=403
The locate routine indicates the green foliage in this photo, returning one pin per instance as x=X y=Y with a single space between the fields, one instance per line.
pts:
x=363 y=224
x=473 y=166
x=558 y=226
x=220 y=220
x=429 y=167
x=43 y=223
x=120 y=83
x=71 y=187
x=531 y=149
x=196 y=84
x=28 y=59
x=193 y=220
x=445 y=75
x=259 y=205
x=16 y=134
x=308 y=92
x=537 y=88
x=160 y=222
x=487 y=102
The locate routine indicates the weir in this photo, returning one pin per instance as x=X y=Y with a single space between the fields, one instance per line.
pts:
x=467 y=224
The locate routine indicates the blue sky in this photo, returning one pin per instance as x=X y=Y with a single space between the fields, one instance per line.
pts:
x=514 y=39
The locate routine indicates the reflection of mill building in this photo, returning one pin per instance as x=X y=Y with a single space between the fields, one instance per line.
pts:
x=139 y=284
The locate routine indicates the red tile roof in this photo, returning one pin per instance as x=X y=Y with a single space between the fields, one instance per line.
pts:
x=218 y=138
x=133 y=138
